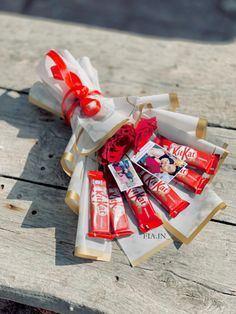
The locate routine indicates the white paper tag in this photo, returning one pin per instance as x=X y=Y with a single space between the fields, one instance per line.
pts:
x=125 y=175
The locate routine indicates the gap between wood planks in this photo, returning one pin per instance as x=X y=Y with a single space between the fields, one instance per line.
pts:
x=25 y=92
x=58 y=187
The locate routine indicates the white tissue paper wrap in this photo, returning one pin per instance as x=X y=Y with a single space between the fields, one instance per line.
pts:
x=107 y=118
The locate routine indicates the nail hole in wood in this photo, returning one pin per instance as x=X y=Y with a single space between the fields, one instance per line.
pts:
x=34 y=212
x=117 y=278
x=2 y=186
x=42 y=168
x=50 y=155
x=19 y=196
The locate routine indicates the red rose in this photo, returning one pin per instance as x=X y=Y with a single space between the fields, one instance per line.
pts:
x=118 y=145
x=143 y=131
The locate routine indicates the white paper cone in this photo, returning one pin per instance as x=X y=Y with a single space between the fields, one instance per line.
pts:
x=139 y=246
x=90 y=71
x=162 y=101
x=86 y=247
x=69 y=159
x=41 y=96
x=193 y=125
x=76 y=185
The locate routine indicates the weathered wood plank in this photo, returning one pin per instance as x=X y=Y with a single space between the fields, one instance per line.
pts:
x=224 y=182
x=38 y=140
x=31 y=141
x=37 y=230
x=37 y=237
x=203 y=75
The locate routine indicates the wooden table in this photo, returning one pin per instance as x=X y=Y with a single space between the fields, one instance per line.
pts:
x=37 y=230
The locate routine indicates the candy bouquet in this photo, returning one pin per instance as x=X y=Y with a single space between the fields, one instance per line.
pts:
x=140 y=171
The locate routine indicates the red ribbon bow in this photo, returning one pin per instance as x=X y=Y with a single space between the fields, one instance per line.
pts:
x=73 y=82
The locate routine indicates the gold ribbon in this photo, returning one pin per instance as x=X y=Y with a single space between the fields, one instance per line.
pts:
x=201 y=128
x=72 y=201
x=90 y=253
x=174 y=101
x=67 y=157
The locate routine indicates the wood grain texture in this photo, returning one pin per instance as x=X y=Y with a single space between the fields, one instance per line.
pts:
x=224 y=182
x=37 y=230
x=37 y=238
x=203 y=75
x=32 y=141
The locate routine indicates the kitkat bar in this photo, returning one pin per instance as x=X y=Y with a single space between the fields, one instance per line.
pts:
x=164 y=194
x=142 y=208
x=119 y=219
x=195 y=158
x=191 y=180
x=99 y=206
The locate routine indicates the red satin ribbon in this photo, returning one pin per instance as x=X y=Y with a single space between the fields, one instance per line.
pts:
x=73 y=82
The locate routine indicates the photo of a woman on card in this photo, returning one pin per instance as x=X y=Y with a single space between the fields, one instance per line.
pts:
x=124 y=173
x=159 y=163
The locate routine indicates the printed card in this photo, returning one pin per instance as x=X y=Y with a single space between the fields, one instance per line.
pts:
x=157 y=161
x=125 y=175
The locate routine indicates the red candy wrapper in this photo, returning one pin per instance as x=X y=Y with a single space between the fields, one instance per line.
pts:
x=195 y=158
x=99 y=206
x=158 y=140
x=191 y=180
x=142 y=208
x=164 y=194
x=119 y=219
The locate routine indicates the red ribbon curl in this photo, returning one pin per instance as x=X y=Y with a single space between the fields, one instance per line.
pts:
x=73 y=82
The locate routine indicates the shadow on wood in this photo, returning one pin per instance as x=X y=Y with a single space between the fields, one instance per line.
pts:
x=41 y=180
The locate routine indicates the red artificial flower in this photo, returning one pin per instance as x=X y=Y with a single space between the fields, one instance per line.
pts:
x=143 y=131
x=118 y=145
